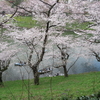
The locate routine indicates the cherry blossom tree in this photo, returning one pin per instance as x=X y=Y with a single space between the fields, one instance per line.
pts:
x=93 y=16
x=6 y=50
x=5 y=58
x=52 y=18
x=87 y=11
x=64 y=50
x=4 y=19
x=5 y=7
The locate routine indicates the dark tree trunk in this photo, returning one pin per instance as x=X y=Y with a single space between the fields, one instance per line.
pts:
x=65 y=71
x=36 y=76
x=1 y=82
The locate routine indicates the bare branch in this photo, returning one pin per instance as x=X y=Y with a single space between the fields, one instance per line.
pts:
x=45 y=3
x=93 y=41
x=96 y=55
x=92 y=25
x=25 y=9
x=73 y=64
x=1 y=24
x=58 y=66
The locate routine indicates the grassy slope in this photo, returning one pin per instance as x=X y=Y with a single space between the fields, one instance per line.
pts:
x=74 y=85
x=25 y=21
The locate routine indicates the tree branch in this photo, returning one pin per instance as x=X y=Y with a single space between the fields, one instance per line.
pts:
x=93 y=25
x=1 y=24
x=25 y=9
x=4 y=65
x=96 y=55
x=30 y=58
x=73 y=64
x=46 y=3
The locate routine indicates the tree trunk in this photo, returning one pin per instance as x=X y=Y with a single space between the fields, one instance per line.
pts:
x=1 y=82
x=65 y=71
x=36 y=76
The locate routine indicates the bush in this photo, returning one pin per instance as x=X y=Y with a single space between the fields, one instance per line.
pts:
x=91 y=97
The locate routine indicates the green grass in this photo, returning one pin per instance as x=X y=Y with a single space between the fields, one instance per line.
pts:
x=77 y=25
x=25 y=21
x=73 y=86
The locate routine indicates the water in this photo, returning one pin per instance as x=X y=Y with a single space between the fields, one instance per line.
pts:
x=81 y=66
